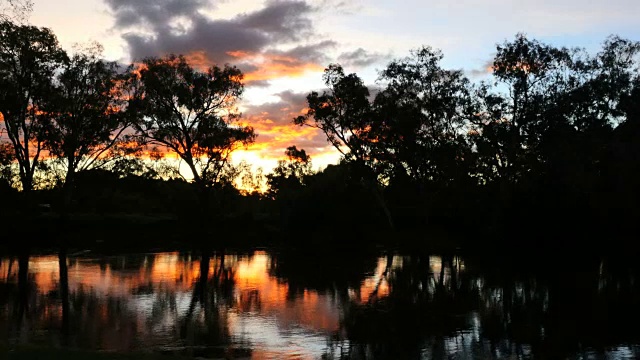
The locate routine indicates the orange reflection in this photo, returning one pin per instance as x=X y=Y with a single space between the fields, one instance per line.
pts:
x=125 y=302
x=373 y=287
x=259 y=292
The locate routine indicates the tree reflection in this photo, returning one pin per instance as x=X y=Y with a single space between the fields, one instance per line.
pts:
x=425 y=304
x=204 y=329
x=442 y=307
x=325 y=271
x=217 y=305
x=64 y=294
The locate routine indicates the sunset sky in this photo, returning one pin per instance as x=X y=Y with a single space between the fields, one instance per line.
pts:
x=283 y=46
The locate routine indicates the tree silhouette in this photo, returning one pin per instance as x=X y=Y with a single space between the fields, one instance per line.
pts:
x=29 y=57
x=287 y=180
x=84 y=115
x=191 y=114
x=289 y=174
x=422 y=118
x=419 y=137
x=344 y=115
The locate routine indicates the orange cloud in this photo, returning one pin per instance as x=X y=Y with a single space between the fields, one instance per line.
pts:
x=273 y=66
x=261 y=66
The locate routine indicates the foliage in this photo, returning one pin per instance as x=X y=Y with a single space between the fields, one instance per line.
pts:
x=289 y=174
x=422 y=112
x=191 y=114
x=29 y=57
x=83 y=117
x=550 y=138
x=6 y=160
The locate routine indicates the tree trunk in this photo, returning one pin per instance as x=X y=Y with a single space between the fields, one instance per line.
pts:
x=67 y=189
x=371 y=183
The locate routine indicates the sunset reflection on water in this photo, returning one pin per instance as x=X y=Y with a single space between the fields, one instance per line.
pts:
x=264 y=305
x=132 y=302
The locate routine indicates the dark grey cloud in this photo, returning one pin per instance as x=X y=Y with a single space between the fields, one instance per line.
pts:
x=361 y=58
x=149 y=27
x=297 y=100
x=153 y=13
x=280 y=19
x=216 y=39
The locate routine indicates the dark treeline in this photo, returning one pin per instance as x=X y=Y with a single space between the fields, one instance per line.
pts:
x=542 y=152
x=547 y=148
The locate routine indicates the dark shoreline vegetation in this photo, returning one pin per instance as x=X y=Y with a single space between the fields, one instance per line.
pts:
x=543 y=156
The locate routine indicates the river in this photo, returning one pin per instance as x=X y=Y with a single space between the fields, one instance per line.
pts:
x=282 y=305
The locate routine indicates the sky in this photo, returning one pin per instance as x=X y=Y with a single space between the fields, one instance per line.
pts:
x=283 y=46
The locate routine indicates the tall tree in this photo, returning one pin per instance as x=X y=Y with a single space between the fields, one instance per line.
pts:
x=191 y=113
x=530 y=76
x=422 y=117
x=29 y=58
x=290 y=173
x=344 y=115
x=287 y=182
x=84 y=114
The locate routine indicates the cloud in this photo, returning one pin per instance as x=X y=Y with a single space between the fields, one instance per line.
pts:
x=277 y=40
x=361 y=58
x=152 y=13
x=343 y=7
x=272 y=64
x=281 y=19
x=274 y=122
x=158 y=27
x=271 y=42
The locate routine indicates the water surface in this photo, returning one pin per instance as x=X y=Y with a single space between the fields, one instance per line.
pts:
x=263 y=305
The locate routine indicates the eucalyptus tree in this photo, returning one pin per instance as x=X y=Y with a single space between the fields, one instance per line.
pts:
x=344 y=113
x=287 y=182
x=530 y=78
x=84 y=115
x=290 y=173
x=191 y=114
x=423 y=112
x=29 y=59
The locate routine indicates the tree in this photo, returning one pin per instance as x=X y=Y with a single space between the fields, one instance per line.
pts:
x=29 y=58
x=287 y=182
x=191 y=114
x=344 y=115
x=508 y=124
x=422 y=118
x=84 y=114
x=289 y=174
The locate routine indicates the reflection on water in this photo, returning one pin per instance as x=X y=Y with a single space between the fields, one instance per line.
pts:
x=263 y=305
